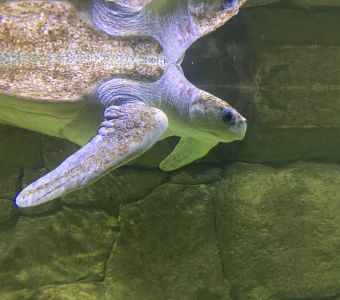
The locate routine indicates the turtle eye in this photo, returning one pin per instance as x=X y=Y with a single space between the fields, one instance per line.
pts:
x=225 y=4
x=227 y=115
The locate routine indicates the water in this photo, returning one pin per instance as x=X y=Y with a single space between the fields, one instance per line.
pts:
x=256 y=219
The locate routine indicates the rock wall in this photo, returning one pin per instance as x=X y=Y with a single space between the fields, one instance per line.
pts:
x=253 y=220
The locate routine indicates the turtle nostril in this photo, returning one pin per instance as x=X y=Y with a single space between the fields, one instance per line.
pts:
x=242 y=121
x=243 y=124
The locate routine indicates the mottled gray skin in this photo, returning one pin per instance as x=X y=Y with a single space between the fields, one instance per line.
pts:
x=143 y=93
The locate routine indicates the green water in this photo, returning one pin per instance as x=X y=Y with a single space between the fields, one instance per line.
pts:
x=253 y=220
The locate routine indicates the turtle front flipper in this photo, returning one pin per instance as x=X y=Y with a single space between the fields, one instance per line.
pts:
x=127 y=131
x=185 y=152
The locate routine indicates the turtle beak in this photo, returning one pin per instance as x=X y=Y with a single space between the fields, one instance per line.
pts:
x=242 y=127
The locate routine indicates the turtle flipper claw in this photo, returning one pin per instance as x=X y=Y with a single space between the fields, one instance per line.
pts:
x=127 y=132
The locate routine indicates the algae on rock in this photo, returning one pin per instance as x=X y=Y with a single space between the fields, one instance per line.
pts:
x=279 y=230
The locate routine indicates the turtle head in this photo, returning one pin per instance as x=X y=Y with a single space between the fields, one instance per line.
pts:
x=216 y=118
x=208 y=15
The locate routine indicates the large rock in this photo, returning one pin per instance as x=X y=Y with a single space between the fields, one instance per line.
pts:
x=167 y=248
x=67 y=247
x=279 y=231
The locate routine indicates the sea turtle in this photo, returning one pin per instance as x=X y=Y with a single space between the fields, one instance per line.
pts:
x=62 y=67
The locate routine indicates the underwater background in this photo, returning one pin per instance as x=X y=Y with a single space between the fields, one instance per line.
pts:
x=254 y=220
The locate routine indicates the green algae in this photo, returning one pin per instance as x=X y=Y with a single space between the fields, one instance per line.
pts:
x=112 y=222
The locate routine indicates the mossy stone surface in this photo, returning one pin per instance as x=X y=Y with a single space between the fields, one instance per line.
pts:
x=167 y=248
x=8 y=211
x=66 y=247
x=83 y=291
x=197 y=174
x=278 y=230
x=86 y=291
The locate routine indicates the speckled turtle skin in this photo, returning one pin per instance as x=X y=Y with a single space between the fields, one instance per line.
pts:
x=59 y=62
x=57 y=47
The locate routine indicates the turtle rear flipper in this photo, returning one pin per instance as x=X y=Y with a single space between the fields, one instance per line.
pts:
x=127 y=132
x=120 y=18
x=166 y=21
x=130 y=4
x=176 y=24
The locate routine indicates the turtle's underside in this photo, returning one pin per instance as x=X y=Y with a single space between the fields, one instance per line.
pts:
x=61 y=56
x=121 y=59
